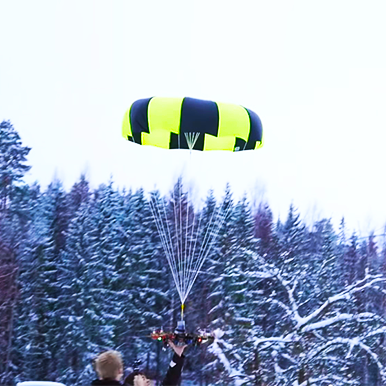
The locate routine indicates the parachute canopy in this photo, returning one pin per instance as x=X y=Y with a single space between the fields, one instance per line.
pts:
x=195 y=124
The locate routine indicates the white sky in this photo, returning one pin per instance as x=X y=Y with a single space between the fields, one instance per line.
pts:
x=314 y=71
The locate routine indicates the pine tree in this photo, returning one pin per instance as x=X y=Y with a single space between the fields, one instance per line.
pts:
x=19 y=216
x=220 y=262
x=79 y=194
x=292 y=238
x=13 y=157
x=40 y=288
x=264 y=228
x=8 y=297
x=12 y=169
x=147 y=286
x=33 y=318
x=221 y=290
x=105 y=251
x=76 y=298
x=350 y=261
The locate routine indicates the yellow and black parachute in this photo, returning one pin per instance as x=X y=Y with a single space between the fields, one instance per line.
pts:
x=187 y=123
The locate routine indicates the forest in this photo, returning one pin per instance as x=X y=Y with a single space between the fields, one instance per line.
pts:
x=84 y=270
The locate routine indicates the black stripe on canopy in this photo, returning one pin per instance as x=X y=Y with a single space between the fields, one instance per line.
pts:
x=199 y=116
x=256 y=129
x=138 y=119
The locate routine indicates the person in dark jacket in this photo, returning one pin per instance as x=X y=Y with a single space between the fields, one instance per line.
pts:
x=172 y=376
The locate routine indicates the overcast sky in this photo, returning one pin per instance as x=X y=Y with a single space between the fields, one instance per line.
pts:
x=314 y=71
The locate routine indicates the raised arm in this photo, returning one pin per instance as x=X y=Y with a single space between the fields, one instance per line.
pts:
x=175 y=367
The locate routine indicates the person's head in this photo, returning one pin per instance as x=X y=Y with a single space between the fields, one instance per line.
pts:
x=109 y=365
x=138 y=379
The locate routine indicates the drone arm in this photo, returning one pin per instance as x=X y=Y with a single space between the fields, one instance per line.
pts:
x=174 y=372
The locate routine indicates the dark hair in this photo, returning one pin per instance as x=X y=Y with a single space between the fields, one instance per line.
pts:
x=129 y=380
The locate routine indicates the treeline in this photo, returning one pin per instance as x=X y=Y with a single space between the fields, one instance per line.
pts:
x=84 y=270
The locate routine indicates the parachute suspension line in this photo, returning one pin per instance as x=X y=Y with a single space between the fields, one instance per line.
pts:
x=185 y=259
x=188 y=257
x=167 y=248
x=192 y=253
x=173 y=262
x=176 y=239
x=176 y=242
x=208 y=231
x=193 y=244
x=177 y=207
x=180 y=235
x=204 y=242
x=195 y=254
x=186 y=241
x=191 y=139
x=215 y=220
x=160 y=229
x=174 y=267
x=182 y=240
x=220 y=223
x=187 y=249
x=208 y=243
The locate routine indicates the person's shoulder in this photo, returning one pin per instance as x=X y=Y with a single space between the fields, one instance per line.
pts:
x=105 y=382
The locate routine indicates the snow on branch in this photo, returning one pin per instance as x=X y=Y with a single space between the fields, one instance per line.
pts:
x=272 y=272
x=310 y=333
x=351 y=342
x=344 y=295
x=363 y=317
x=280 y=304
x=214 y=348
x=276 y=339
x=374 y=358
x=378 y=331
x=290 y=291
x=333 y=379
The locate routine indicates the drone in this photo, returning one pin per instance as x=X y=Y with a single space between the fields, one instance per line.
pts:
x=180 y=336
